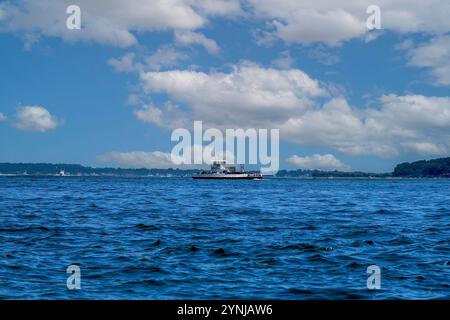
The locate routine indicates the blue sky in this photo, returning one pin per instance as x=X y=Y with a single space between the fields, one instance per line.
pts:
x=111 y=93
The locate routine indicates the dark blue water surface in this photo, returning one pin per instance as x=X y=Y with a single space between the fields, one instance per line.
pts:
x=160 y=238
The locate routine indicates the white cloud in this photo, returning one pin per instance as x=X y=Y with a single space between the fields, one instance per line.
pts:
x=411 y=123
x=333 y=22
x=334 y=124
x=189 y=37
x=434 y=55
x=309 y=27
x=2 y=117
x=138 y=159
x=35 y=118
x=248 y=94
x=426 y=148
x=219 y=7
x=252 y=96
x=326 y=162
x=116 y=22
x=113 y=22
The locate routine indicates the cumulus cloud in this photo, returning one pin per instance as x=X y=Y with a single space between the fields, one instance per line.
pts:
x=326 y=162
x=2 y=117
x=113 y=22
x=333 y=22
x=248 y=94
x=434 y=55
x=335 y=124
x=411 y=123
x=35 y=118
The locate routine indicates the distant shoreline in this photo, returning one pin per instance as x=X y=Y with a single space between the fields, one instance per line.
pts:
x=423 y=169
x=270 y=177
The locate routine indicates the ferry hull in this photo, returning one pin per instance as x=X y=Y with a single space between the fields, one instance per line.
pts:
x=227 y=177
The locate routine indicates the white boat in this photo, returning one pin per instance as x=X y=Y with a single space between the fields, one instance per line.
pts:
x=219 y=170
x=62 y=173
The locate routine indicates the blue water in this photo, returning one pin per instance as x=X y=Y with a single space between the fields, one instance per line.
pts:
x=155 y=238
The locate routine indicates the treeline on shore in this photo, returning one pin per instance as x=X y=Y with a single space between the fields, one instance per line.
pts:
x=419 y=169
x=424 y=169
x=76 y=169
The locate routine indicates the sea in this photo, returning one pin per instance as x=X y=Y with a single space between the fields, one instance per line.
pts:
x=179 y=238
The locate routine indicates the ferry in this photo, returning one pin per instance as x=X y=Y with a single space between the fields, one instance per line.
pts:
x=219 y=170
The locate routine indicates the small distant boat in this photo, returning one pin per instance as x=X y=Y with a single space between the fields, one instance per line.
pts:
x=62 y=173
x=219 y=170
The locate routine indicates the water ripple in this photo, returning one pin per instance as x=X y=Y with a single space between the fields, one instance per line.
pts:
x=277 y=238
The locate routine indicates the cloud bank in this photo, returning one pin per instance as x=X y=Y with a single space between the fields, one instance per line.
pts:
x=306 y=111
x=334 y=22
x=115 y=22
